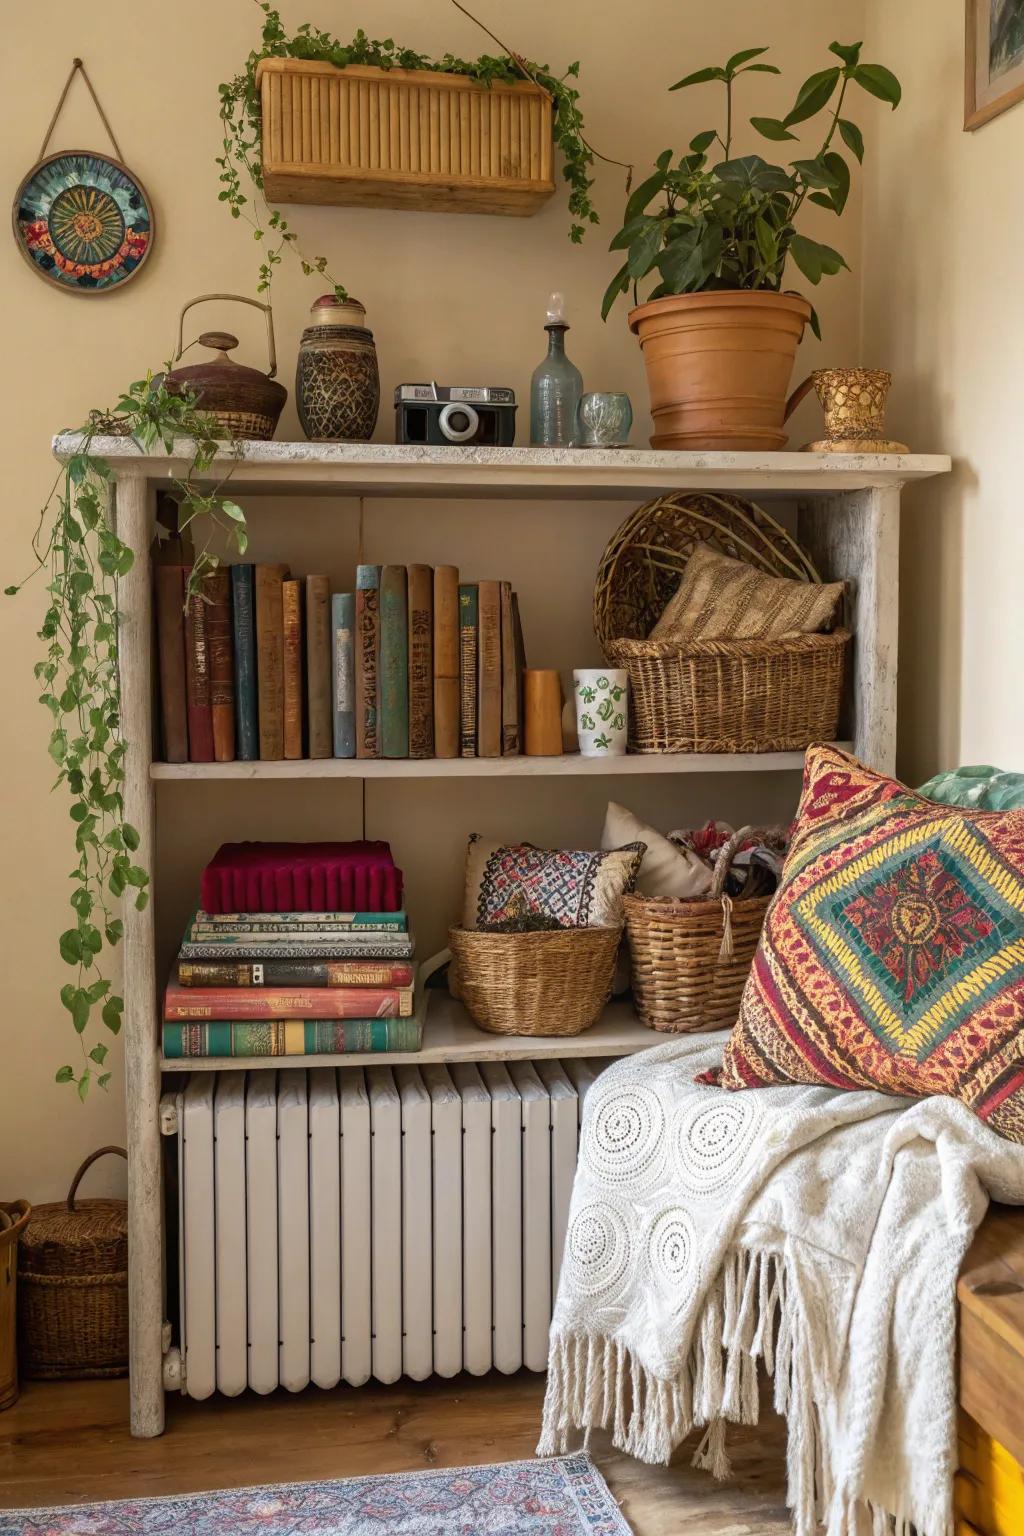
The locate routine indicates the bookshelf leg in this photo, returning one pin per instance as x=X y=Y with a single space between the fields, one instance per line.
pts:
x=141 y=1053
x=855 y=537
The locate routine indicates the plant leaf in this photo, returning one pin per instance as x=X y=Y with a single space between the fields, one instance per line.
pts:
x=848 y=52
x=702 y=141
x=880 y=82
x=628 y=233
x=814 y=259
x=619 y=284
x=814 y=172
x=698 y=77
x=841 y=179
x=771 y=128
x=642 y=195
x=644 y=249
x=813 y=95
x=731 y=65
x=852 y=137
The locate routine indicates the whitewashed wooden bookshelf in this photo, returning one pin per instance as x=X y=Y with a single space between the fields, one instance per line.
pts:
x=848 y=519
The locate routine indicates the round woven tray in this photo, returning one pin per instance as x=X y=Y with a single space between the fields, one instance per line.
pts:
x=73 y=1286
x=733 y=695
x=646 y=556
x=542 y=984
x=690 y=959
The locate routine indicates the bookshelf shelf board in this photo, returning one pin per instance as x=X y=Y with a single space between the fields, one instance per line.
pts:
x=569 y=765
x=450 y=1035
x=580 y=474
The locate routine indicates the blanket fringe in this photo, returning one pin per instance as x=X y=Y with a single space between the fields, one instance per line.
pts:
x=751 y=1315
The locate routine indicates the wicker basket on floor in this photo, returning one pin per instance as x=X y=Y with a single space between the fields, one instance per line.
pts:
x=543 y=984
x=73 y=1286
x=733 y=695
x=690 y=959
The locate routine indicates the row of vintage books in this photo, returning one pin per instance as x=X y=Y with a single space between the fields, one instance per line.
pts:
x=292 y=984
x=413 y=663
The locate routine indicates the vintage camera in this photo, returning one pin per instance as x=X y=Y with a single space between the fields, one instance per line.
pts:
x=441 y=415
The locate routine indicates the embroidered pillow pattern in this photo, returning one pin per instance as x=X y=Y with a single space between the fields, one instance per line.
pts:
x=893 y=954
x=578 y=888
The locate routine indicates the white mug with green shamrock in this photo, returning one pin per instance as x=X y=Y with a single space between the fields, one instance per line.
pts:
x=601 y=700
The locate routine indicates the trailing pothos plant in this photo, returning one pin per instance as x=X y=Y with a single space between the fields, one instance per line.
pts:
x=240 y=163
x=79 y=552
x=731 y=222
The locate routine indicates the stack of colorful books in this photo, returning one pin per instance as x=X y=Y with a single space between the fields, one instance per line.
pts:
x=412 y=663
x=301 y=981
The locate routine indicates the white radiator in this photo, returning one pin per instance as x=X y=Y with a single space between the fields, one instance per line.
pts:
x=338 y=1224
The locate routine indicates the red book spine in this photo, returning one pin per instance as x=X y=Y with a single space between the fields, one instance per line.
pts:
x=197 y=682
x=230 y=1003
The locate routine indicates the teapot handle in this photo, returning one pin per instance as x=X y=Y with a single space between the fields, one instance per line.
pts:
x=795 y=398
x=236 y=298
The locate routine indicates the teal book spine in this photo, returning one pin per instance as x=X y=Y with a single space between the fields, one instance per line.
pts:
x=343 y=618
x=247 y=736
x=293 y=1037
x=394 y=662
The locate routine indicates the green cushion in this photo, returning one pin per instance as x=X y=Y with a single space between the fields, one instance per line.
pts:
x=981 y=786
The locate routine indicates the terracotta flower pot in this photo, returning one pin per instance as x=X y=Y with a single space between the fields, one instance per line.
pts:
x=718 y=366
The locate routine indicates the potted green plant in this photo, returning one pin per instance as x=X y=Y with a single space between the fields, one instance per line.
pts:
x=718 y=332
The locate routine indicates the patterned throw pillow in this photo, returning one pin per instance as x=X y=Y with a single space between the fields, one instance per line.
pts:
x=723 y=599
x=892 y=956
x=579 y=889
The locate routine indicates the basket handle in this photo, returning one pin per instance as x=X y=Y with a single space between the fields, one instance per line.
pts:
x=19 y=1212
x=718 y=892
x=100 y=1152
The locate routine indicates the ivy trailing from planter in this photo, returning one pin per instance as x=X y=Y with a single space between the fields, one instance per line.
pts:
x=732 y=224
x=79 y=551
x=241 y=122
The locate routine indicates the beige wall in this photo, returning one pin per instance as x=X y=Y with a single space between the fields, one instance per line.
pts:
x=943 y=307
x=461 y=299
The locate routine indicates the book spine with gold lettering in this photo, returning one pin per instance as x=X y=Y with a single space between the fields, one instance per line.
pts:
x=197 y=681
x=468 y=637
x=319 y=715
x=446 y=661
x=270 y=659
x=287 y=1002
x=488 y=702
x=421 y=661
x=394 y=662
x=220 y=640
x=292 y=684
x=367 y=657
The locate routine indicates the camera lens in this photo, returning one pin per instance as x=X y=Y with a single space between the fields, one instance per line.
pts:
x=458 y=423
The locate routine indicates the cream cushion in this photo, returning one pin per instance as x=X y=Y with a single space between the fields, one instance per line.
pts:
x=666 y=870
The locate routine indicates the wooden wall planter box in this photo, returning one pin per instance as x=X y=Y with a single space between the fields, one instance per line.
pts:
x=402 y=138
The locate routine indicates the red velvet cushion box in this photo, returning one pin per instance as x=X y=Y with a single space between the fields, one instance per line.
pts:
x=302 y=877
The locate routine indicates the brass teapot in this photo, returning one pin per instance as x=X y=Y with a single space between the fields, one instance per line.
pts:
x=246 y=402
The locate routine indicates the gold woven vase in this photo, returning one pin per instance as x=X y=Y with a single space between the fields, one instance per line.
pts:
x=853 y=400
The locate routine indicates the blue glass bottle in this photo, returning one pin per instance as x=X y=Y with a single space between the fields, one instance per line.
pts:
x=556 y=387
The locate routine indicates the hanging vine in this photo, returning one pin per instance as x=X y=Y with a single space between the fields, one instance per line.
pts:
x=77 y=548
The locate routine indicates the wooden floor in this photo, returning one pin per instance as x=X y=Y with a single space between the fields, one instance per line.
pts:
x=68 y=1443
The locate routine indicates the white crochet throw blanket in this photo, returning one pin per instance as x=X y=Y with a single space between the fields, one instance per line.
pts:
x=813 y=1233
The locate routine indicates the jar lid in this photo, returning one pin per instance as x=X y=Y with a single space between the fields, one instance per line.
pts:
x=330 y=310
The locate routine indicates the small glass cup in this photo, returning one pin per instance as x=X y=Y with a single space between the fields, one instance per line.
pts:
x=604 y=420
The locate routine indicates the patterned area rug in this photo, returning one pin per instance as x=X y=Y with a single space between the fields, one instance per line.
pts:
x=565 y=1496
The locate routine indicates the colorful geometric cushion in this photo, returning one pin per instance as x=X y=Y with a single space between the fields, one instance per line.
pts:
x=574 y=886
x=892 y=956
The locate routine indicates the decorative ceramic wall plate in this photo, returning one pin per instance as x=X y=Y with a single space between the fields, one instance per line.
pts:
x=83 y=221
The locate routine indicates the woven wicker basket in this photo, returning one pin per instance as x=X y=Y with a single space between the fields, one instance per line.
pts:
x=547 y=984
x=73 y=1286
x=690 y=959
x=733 y=695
